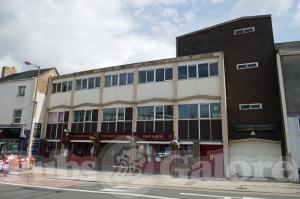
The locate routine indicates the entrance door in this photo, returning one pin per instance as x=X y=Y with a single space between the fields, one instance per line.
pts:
x=211 y=158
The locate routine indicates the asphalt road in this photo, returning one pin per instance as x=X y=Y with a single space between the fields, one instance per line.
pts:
x=96 y=190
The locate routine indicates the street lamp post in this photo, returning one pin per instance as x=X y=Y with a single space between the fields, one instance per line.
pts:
x=34 y=104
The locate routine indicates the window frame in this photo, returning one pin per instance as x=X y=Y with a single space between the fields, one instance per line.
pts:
x=238 y=66
x=21 y=91
x=241 y=31
x=188 y=71
x=251 y=108
x=17 y=117
x=172 y=72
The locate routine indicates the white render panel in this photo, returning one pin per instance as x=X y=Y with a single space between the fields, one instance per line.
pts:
x=294 y=131
x=199 y=86
x=155 y=90
x=60 y=99
x=86 y=96
x=118 y=93
x=10 y=101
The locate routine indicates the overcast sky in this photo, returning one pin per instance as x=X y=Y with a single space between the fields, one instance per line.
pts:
x=75 y=35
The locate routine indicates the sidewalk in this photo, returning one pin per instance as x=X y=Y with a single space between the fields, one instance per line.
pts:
x=165 y=181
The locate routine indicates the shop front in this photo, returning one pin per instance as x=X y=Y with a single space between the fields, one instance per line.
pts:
x=11 y=140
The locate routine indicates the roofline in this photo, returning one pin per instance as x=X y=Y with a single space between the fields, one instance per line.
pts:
x=142 y=64
x=225 y=23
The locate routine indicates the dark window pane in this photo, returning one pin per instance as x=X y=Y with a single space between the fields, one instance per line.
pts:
x=168 y=114
x=70 y=83
x=112 y=127
x=59 y=131
x=168 y=126
x=193 y=130
x=204 y=110
x=183 y=111
x=97 y=83
x=65 y=126
x=91 y=83
x=216 y=129
x=95 y=115
x=107 y=82
x=94 y=127
x=159 y=127
x=115 y=79
x=48 y=132
x=182 y=72
x=215 y=110
x=150 y=75
x=192 y=71
x=120 y=127
x=160 y=74
x=78 y=84
x=130 y=78
x=193 y=111
x=58 y=87
x=213 y=69
x=87 y=127
x=128 y=127
x=159 y=112
x=202 y=70
x=149 y=127
x=205 y=130
x=104 y=127
x=128 y=114
x=53 y=131
x=64 y=86
x=142 y=76
x=80 y=128
x=84 y=83
x=183 y=129
x=53 y=88
x=169 y=74
x=123 y=78
x=74 y=128
x=66 y=116
x=140 y=127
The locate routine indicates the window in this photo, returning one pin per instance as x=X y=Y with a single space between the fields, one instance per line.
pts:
x=54 y=88
x=130 y=78
x=84 y=84
x=256 y=106
x=17 y=115
x=78 y=85
x=192 y=71
x=122 y=80
x=91 y=83
x=121 y=114
x=150 y=75
x=70 y=85
x=160 y=73
x=189 y=111
x=247 y=65
x=107 y=80
x=299 y=122
x=182 y=72
x=115 y=80
x=109 y=114
x=85 y=121
x=57 y=122
x=202 y=70
x=64 y=86
x=215 y=110
x=142 y=76
x=58 y=87
x=213 y=69
x=21 y=90
x=204 y=111
x=168 y=73
x=244 y=30
x=117 y=120
x=159 y=112
x=97 y=82
x=146 y=113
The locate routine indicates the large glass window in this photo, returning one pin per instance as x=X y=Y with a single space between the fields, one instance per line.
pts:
x=122 y=80
x=215 y=110
x=121 y=114
x=204 y=110
x=168 y=112
x=85 y=121
x=160 y=73
x=182 y=72
x=213 y=69
x=57 y=122
x=142 y=76
x=159 y=112
x=192 y=71
x=130 y=78
x=109 y=114
x=107 y=82
x=17 y=115
x=97 y=82
x=146 y=113
x=64 y=86
x=84 y=84
x=54 y=88
x=91 y=83
x=78 y=84
x=202 y=70
x=193 y=111
x=169 y=74
x=183 y=111
x=150 y=75
x=115 y=79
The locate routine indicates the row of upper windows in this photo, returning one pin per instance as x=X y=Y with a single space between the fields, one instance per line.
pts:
x=87 y=83
x=119 y=79
x=157 y=75
x=198 y=71
x=62 y=87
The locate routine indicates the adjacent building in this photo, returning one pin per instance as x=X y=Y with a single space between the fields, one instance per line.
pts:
x=253 y=100
x=22 y=108
x=288 y=61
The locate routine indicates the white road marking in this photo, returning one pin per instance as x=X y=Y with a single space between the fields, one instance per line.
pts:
x=215 y=196
x=110 y=190
x=88 y=191
x=127 y=187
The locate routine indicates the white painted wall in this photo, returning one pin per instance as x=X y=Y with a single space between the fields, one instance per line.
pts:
x=294 y=132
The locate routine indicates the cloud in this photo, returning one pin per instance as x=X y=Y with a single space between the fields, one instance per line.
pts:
x=252 y=7
x=297 y=15
x=217 y=1
x=75 y=35
x=146 y=3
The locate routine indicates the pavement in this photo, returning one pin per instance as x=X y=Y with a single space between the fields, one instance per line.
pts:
x=65 y=178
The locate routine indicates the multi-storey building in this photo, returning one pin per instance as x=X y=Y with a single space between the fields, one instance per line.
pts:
x=253 y=99
x=148 y=104
x=21 y=108
x=288 y=60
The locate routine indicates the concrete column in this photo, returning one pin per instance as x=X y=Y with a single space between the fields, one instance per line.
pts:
x=224 y=116
x=71 y=103
x=134 y=110
x=175 y=98
x=101 y=90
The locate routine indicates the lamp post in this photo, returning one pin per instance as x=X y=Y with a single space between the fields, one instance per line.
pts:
x=34 y=104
